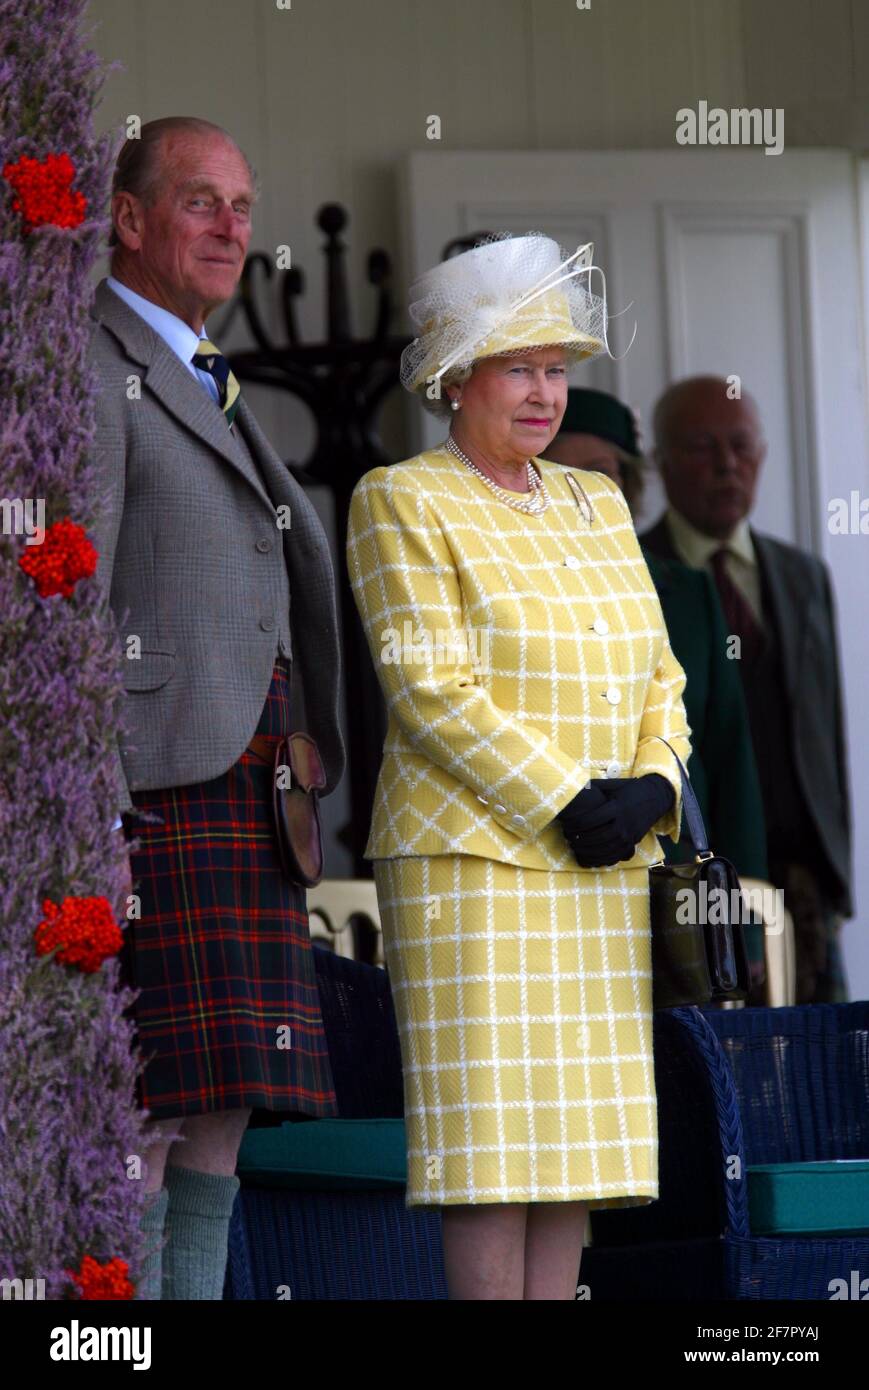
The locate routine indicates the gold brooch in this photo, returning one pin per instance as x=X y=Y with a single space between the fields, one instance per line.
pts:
x=582 y=500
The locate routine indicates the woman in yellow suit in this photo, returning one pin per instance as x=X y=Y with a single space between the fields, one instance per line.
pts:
x=525 y=664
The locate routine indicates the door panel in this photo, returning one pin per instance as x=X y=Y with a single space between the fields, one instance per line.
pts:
x=733 y=262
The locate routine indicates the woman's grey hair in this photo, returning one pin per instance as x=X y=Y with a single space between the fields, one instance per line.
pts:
x=138 y=170
x=440 y=405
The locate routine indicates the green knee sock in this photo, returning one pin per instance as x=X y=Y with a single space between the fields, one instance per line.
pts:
x=197 y=1226
x=152 y=1222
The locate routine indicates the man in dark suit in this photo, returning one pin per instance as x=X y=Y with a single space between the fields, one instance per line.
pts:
x=599 y=433
x=781 y=623
x=216 y=570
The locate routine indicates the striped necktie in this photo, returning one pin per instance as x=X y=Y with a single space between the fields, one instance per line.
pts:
x=210 y=359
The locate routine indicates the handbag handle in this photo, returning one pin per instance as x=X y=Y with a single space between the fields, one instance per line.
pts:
x=691 y=807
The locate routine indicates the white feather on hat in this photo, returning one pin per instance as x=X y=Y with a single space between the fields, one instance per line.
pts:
x=507 y=295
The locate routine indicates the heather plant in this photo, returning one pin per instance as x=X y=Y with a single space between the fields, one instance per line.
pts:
x=69 y=1127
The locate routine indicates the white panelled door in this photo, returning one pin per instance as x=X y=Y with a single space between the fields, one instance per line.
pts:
x=735 y=263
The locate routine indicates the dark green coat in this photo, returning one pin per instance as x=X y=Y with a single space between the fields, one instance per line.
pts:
x=721 y=767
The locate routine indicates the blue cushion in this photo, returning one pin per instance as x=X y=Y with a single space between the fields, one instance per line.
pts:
x=809 y=1198
x=343 y=1155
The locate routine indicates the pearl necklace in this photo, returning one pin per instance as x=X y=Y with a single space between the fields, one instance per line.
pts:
x=535 y=505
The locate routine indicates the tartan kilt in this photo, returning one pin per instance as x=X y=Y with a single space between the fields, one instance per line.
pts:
x=222 y=953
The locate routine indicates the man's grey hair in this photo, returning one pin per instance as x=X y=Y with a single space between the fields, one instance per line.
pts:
x=138 y=171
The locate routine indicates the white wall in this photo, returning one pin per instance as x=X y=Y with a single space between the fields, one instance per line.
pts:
x=328 y=96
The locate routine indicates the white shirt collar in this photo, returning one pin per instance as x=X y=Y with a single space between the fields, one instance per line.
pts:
x=696 y=548
x=177 y=334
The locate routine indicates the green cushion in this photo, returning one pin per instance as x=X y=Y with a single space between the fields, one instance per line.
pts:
x=365 y=1155
x=809 y=1198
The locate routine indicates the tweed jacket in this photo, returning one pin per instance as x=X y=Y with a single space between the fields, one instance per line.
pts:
x=190 y=550
x=520 y=657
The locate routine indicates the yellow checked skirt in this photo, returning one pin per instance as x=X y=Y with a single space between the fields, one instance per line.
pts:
x=524 y=1006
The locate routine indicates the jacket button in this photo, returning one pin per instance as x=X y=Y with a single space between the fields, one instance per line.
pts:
x=613 y=769
x=518 y=820
x=267 y=624
x=263 y=546
x=499 y=808
x=601 y=626
x=614 y=694
x=573 y=562
x=484 y=799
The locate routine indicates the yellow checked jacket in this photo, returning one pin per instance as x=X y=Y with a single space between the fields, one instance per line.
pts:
x=519 y=656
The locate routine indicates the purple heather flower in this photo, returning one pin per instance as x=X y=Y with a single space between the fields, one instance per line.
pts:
x=69 y=1125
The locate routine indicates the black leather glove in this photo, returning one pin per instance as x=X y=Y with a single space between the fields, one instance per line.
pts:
x=605 y=835
x=572 y=816
x=591 y=798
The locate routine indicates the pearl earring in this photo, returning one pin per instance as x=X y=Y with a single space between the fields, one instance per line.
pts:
x=455 y=405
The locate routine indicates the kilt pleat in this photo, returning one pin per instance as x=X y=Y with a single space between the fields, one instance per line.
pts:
x=228 y=1013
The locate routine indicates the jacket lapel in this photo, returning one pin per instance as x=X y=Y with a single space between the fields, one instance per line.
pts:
x=788 y=595
x=177 y=389
x=784 y=585
x=279 y=481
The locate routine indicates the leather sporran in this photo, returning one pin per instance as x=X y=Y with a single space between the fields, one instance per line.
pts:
x=698 y=938
x=298 y=779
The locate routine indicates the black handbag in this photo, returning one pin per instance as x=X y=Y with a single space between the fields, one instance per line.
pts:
x=697 y=911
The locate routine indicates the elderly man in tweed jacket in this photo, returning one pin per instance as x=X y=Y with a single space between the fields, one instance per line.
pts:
x=217 y=573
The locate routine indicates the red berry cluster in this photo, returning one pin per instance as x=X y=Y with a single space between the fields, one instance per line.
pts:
x=102 y=1281
x=84 y=928
x=65 y=556
x=43 y=192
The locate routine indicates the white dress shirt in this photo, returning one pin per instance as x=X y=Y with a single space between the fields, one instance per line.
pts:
x=694 y=548
x=176 y=334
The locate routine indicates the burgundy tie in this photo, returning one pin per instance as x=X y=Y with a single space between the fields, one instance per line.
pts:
x=738 y=614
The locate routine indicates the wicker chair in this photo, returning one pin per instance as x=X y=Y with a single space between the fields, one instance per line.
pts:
x=779 y=947
x=338 y=1245
x=344 y=915
x=736 y=1089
